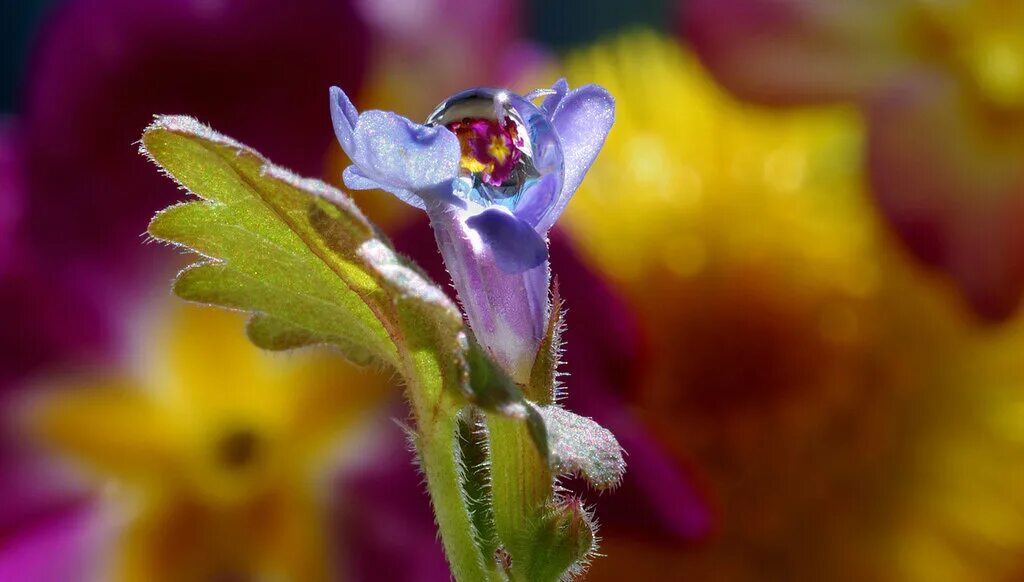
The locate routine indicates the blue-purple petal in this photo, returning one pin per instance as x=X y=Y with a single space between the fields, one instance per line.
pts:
x=397 y=152
x=550 y=105
x=344 y=117
x=409 y=160
x=516 y=246
x=355 y=179
x=538 y=199
x=582 y=119
x=506 y=311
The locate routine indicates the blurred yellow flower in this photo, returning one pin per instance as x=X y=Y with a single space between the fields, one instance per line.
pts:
x=216 y=454
x=941 y=84
x=846 y=416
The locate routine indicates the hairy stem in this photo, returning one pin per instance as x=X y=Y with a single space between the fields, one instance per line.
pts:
x=439 y=453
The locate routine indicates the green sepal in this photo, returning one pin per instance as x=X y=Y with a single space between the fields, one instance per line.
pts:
x=562 y=541
x=580 y=446
x=544 y=386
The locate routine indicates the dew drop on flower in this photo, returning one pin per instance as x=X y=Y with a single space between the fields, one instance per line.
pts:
x=507 y=144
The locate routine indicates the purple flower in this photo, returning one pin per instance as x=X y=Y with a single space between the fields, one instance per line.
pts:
x=383 y=517
x=493 y=171
x=658 y=498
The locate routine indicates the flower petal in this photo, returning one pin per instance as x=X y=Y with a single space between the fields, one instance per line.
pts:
x=658 y=496
x=409 y=160
x=516 y=245
x=65 y=546
x=344 y=117
x=560 y=88
x=12 y=190
x=507 y=312
x=796 y=51
x=355 y=179
x=397 y=152
x=90 y=422
x=582 y=119
x=385 y=513
x=537 y=200
x=99 y=71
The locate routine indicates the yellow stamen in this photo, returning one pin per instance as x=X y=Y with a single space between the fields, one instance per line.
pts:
x=498 y=149
x=471 y=164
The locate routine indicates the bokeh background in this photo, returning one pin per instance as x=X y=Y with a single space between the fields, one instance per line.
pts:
x=793 y=279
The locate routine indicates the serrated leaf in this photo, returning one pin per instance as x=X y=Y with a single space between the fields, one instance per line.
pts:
x=579 y=445
x=295 y=252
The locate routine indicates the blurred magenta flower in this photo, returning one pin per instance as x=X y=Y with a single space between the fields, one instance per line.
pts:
x=64 y=546
x=11 y=192
x=475 y=32
x=942 y=85
x=383 y=519
x=493 y=171
x=427 y=49
x=99 y=71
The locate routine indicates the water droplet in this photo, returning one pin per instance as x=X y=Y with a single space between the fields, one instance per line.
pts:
x=508 y=147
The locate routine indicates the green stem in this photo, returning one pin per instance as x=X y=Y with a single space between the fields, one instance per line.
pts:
x=440 y=455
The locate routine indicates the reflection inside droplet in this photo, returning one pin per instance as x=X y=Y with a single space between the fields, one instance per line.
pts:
x=507 y=146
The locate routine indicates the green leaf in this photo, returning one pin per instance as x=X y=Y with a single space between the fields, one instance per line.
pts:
x=580 y=446
x=296 y=252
